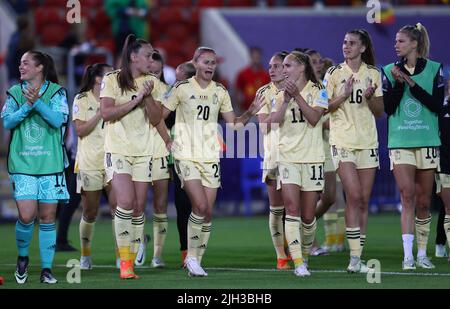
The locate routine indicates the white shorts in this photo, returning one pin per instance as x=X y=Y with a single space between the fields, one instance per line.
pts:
x=91 y=180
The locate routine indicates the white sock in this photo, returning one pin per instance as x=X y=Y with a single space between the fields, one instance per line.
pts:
x=421 y=253
x=408 y=240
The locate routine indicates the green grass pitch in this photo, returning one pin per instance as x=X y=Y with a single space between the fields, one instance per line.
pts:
x=240 y=255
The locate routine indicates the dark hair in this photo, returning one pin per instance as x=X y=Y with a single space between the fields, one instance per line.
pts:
x=132 y=45
x=253 y=49
x=300 y=49
x=281 y=55
x=156 y=56
x=368 y=56
x=90 y=73
x=311 y=52
x=201 y=50
x=420 y=34
x=188 y=69
x=327 y=63
x=22 y=23
x=49 y=71
x=303 y=58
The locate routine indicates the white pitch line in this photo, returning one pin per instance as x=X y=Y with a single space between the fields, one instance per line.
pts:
x=329 y=271
x=336 y=271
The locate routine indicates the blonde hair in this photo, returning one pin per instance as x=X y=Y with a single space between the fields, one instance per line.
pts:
x=304 y=59
x=419 y=34
x=201 y=50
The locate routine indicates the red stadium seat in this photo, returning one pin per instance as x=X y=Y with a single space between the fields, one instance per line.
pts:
x=166 y=16
x=52 y=35
x=55 y=3
x=337 y=2
x=299 y=2
x=189 y=46
x=179 y=3
x=48 y=15
x=177 y=31
x=92 y=4
x=210 y=3
x=176 y=59
x=240 y=3
x=101 y=22
x=107 y=43
x=170 y=46
x=416 y=2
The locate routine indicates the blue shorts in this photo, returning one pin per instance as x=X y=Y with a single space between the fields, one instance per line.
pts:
x=46 y=189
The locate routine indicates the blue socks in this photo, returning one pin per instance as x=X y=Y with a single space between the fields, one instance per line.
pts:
x=47 y=244
x=24 y=233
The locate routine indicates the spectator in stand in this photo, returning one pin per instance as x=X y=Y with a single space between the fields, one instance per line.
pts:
x=250 y=79
x=19 y=6
x=20 y=42
x=128 y=17
x=168 y=71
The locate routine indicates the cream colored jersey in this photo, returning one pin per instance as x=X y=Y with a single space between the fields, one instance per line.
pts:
x=352 y=125
x=90 y=152
x=159 y=147
x=300 y=142
x=131 y=135
x=197 y=113
x=270 y=140
x=326 y=136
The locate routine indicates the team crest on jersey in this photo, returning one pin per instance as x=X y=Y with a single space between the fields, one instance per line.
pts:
x=309 y=99
x=368 y=81
x=215 y=99
x=86 y=181
x=187 y=171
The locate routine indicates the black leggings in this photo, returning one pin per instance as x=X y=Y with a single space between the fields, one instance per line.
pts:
x=184 y=209
x=441 y=238
x=65 y=212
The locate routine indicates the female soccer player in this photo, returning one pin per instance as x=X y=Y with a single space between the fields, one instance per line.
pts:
x=355 y=98
x=91 y=178
x=129 y=104
x=269 y=176
x=443 y=178
x=298 y=110
x=36 y=112
x=414 y=91
x=160 y=182
x=183 y=205
x=198 y=102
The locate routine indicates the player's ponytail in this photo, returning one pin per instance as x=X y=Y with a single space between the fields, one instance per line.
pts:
x=304 y=59
x=132 y=45
x=281 y=55
x=49 y=70
x=368 y=56
x=90 y=73
x=419 y=34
